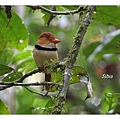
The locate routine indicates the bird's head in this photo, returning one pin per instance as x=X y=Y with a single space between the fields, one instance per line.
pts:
x=47 y=38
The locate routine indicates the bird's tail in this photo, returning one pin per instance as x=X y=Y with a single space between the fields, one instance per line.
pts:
x=47 y=79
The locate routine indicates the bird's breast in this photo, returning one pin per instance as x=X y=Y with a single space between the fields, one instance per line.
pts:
x=41 y=56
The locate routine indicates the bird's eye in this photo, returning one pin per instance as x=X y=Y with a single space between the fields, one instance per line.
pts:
x=47 y=37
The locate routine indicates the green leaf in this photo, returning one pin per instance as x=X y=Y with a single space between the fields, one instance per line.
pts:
x=46 y=15
x=74 y=79
x=15 y=34
x=43 y=105
x=76 y=73
x=24 y=105
x=110 y=101
x=26 y=65
x=12 y=77
x=28 y=110
x=5 y=69
x=2 y=42
x=60 y=8
x=108 y=15
x=3 y=108
x=6 y=56
x=77 y=70
x=112 y=47
x=22 y=55
x=71 y=7
x=56 y=78
x=41 y=102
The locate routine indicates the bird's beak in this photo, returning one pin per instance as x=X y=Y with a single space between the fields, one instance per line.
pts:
x=55 y=41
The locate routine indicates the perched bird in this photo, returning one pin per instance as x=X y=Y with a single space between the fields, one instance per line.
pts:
x=46 y=50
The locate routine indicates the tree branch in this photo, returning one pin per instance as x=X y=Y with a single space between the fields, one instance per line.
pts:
x=80 y=9
x=72 y=58
x=8 y=85
x=31 y=84
x=8 y=11
x=28 y=74
x=41 y=94
x=53 y=66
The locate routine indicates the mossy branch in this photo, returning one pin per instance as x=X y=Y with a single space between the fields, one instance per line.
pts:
x=71 y=59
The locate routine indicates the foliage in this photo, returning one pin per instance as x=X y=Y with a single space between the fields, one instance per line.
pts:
x=99 y=42
x=3 y=108
x=9 y=32
x=4 y=69
x=107 y=15
x=108 y=45
x=109 y=102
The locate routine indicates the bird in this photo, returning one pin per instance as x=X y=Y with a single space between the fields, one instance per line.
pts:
x=44 y=50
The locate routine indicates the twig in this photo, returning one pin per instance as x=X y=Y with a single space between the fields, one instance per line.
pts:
x=28 y=74
x=53 y=66
x=19 y=82
x=8 y=85
x=5 y=87
x=80 y=9
x=51 y=15
x=72 y=58
x=8 y=11
x=41 y=94
x=31 y=84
